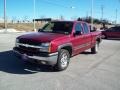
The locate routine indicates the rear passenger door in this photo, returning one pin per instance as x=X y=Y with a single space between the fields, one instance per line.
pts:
x=87 y=36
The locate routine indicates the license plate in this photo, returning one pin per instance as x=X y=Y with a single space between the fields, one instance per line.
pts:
x=24 y=56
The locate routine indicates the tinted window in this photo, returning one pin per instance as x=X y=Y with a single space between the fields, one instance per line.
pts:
x=58 y=27
x=78 y=27
x=114 y=29
x=86 y=30
x=117 y=29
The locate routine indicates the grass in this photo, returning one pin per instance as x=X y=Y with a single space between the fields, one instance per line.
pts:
x=21 y=26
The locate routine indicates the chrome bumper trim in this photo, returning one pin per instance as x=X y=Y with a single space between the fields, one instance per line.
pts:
x=27 y=45
x=51 y=59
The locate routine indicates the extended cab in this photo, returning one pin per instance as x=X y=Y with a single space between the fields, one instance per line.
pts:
x=56 y=42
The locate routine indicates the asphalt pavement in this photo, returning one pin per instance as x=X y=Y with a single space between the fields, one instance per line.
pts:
x=86 y=71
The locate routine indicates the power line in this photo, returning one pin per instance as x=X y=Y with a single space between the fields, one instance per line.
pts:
x=59 y=4
x=52 y=3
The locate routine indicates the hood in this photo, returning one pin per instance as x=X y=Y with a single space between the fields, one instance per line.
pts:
x=39 y=37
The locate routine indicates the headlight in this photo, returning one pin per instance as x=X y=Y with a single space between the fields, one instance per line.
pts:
x=45 y=47
x=45 y=44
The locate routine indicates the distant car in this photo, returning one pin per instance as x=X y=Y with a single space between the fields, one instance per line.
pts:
x=113 y=32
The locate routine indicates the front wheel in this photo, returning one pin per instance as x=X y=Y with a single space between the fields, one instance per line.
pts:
x=94 y=49
x=63 y=60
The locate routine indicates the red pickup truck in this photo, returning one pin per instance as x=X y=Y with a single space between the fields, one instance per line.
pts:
x=56 y=42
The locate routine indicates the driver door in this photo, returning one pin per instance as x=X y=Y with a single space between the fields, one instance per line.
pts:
x=78 y=39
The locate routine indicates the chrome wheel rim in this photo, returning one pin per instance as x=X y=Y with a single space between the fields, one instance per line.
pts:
x=64 y=60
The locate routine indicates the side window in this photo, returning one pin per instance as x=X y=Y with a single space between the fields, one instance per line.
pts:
x=78 y=27
x=48 y=27
x=113 y=29
x=117 y=29
x=86 y=30
x=110 y=29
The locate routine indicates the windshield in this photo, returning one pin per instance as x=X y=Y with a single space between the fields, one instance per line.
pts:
x=58 y=27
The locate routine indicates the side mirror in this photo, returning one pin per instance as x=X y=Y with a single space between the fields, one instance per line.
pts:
x=77 y=33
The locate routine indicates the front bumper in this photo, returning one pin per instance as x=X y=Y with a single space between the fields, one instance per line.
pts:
x=50 y=59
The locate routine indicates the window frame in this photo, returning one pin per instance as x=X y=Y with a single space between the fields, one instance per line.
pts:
x=84 y=31
x=78 y=23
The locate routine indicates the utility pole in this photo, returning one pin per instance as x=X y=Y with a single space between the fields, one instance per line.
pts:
x=92 y=3
x=116 y=16
x=34 y=8
x=5 y=18
x=102 y=9
x=87 y=15
x=119 y=3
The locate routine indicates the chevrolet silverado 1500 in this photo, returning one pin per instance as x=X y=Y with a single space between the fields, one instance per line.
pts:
x=56 y=42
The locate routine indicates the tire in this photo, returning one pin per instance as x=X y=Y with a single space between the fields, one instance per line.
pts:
x=63 y=60
x=94 y=49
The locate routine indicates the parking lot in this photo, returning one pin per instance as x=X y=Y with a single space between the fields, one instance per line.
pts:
x=85 y=72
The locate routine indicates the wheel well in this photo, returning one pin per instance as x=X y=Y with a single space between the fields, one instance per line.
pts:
x=69 y=48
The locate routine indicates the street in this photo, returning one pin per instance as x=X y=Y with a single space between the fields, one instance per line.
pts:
x=86 y=71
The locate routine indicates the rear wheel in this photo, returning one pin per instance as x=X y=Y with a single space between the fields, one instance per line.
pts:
x=63 y=60
x=94 y=49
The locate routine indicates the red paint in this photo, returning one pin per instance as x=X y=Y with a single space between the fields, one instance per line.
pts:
x=79 y=43
x=113 y=32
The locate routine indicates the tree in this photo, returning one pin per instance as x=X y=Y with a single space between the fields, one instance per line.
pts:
x=14 y=18
x=61 y=17
x=25 y=19
x=79 y=19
